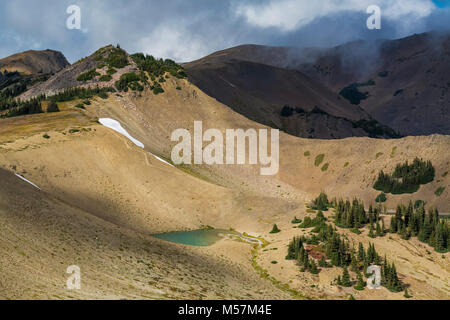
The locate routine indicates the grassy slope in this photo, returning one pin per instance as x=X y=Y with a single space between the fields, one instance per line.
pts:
x=110 y=190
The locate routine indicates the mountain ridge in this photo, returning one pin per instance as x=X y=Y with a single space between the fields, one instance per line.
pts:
x=410 y=86
x=34 y=61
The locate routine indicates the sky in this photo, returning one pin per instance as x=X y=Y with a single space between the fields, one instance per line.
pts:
x=185 y=30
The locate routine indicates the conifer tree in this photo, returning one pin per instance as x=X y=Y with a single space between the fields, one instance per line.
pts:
x=313 y=267
x=346 y=278
x=275 y=229
x=379 y=233
x=354 y=264
x=323 y=263
x=360 y=285
x=361 y=252
x=371 y=234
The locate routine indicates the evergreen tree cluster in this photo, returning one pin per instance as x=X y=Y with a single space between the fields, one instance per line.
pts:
x=339 y=253
x=429 y=228
x=317 y=221
x=114 y=57
x=79 y=93
x=117 y=58
x=389 y=277
x=406 y=178
x=321 y=202
x=296 y=251
x=158 y=67
x=131 y=81
x=32 y=106
x=350 y=214
x=12 y=84
x=362 y=259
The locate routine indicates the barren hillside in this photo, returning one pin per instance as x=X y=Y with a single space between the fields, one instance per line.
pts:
x=401 y=83
x=32 y=62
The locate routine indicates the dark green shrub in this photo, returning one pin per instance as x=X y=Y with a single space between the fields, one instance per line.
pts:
x=117 y=58
x=89 y=75
x=319 y=159
x=52 y=107
x=105 y=78
x=103 y=95
x=381 y=198
x=296 y=220
x=439 y=191
x=275 y=229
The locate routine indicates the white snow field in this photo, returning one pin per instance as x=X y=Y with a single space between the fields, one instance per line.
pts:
x=19 y=176
x=116 y=126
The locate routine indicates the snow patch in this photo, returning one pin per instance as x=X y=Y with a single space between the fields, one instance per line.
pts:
x=162 y=160
x=19 y=176
x=116 y=126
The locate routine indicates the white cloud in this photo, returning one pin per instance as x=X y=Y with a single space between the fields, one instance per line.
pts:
x=289 y=15
x=175 y=43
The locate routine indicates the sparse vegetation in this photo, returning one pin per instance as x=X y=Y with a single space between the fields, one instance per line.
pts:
x=319 y=159
x=439 y=191
x=87 y=76
x=105 y=78
x=325 y=167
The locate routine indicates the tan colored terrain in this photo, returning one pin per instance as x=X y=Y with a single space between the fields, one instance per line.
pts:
x=102 y=198
x=32 y=62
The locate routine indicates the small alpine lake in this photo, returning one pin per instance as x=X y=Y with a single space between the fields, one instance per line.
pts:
x=203 y=237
